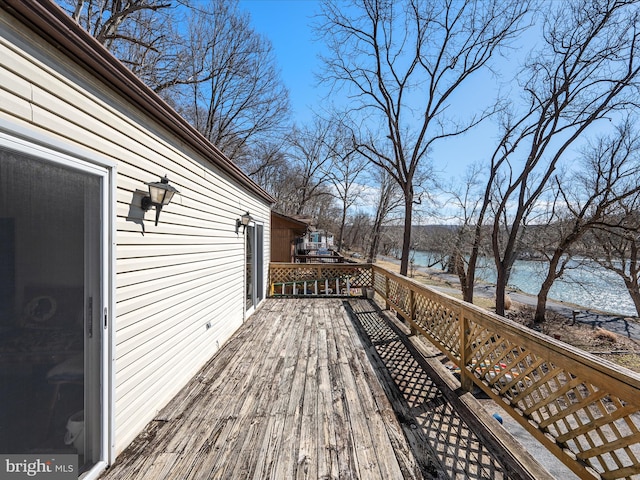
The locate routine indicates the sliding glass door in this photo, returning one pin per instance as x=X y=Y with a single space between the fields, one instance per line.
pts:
x=254 y=266
x=52 y=300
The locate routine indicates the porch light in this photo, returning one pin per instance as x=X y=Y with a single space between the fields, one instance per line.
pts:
x=160 y=194
x=243 y=221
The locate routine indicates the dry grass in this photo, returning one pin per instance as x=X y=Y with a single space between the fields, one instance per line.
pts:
x=598 y=341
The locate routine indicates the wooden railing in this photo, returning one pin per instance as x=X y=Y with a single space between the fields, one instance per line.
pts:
x=335 y=279
x=318 y=258
x=585 y=410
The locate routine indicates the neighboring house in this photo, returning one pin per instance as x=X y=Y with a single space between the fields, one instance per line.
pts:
x=317 y=240
x=286 y=233
x=104 y=316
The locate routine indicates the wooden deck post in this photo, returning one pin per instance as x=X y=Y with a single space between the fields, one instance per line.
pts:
x=466 y=379
x=412 y=313
x=386 y=293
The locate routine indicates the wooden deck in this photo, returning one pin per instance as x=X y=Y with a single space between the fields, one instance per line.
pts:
x=317 y=389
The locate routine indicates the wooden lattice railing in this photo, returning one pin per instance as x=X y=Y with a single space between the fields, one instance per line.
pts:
x=297 y=279
x=585 y=410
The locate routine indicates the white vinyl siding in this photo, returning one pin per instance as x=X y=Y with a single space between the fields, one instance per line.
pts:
x=171 y=280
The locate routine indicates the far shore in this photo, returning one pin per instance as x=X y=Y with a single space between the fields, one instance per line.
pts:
x=484 y=294
x=440 y=278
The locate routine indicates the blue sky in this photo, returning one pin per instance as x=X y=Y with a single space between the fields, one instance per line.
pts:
x=287 y=24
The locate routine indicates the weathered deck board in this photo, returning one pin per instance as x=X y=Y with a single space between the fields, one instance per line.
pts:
x=296 y=393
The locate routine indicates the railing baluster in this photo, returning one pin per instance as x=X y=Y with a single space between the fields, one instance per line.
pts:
x=466 y=377
x=412 y=312
x=387 y=292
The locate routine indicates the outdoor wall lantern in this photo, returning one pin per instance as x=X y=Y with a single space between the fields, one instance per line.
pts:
x=243 y=221
x=160 y=194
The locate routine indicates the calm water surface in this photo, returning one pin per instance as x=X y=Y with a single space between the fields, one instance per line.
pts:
x=586 y=284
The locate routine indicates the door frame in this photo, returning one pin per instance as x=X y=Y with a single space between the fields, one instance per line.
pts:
x=257 y=266
x=47 y=149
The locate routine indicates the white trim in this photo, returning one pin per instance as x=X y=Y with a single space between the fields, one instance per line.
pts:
x=44 y=148
x=109 y=436
x=97 y=470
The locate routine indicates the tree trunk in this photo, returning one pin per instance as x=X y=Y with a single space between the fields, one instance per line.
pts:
x=541 y=305
x=375 y=242
x=634 y=291
x=458 y=266
x=406 y=239
x=543 y=294
x=343 y=220
x=501 y=288
x=470 y=278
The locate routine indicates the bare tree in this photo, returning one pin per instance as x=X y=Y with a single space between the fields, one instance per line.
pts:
x=585 y=72
x=203 y=58
x=466 y=200
x=344 y=172
x=357 y=231
x=609 y=176
x=143 y=34
x=266 y=165
x=240 y=99
x=619 y=247
x=401 y=63
x=107 y=20
x=310 y=156
x=389 y=199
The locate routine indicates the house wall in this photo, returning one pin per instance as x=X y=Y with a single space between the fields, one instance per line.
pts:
x=282 y=237
x=281 y=245
x=171 y=280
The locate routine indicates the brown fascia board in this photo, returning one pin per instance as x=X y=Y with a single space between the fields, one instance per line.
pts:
x=294 y=221
x=298 y=227
x=52 y=23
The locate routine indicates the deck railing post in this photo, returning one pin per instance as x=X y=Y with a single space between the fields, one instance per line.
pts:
x=466 y=379
x=386 y=292
x=412 y=312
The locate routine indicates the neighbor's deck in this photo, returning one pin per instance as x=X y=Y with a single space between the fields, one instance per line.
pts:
x=313 y=388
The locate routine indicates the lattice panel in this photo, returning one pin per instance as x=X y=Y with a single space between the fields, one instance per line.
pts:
x=362 y=277
x=379 y=282
x=319 y=278
x=399 y=297
x=590 y=421
x=440 y=321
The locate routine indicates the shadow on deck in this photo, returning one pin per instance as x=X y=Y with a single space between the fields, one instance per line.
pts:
x=322 y=388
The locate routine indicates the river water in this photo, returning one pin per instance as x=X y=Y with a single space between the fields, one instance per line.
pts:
x=587 y=284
